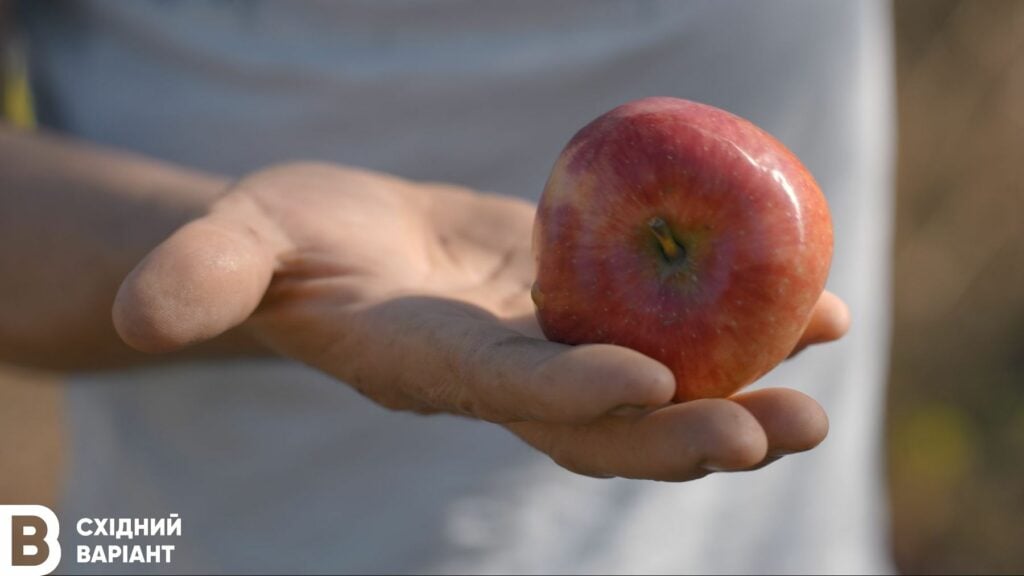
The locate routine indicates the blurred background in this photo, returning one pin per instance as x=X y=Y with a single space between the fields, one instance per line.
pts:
x=956 y=395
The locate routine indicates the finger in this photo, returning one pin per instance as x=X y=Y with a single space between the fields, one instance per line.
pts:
x=206 y=278
x=830 y=319
x=677 y=443
x=792 y=421
x=460 y=358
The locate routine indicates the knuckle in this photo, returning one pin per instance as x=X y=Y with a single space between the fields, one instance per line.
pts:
x=463 y=401
x=457 y=398
x=488 y=382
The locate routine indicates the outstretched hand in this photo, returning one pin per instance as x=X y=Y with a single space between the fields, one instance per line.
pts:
x=418 y=296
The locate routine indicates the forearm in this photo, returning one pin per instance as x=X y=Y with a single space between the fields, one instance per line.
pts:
x=74 y=220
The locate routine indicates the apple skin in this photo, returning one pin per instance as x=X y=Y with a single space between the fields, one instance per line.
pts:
x=752 y=224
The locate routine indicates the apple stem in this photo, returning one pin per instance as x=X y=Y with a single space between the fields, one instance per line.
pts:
x=669 y=245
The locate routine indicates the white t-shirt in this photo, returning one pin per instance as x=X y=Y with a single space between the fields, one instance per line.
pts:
x=273 y=467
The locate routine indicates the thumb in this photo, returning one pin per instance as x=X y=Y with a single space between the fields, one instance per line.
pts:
x=205 y=279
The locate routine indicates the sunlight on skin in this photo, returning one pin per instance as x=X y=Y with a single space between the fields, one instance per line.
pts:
x=418 y=296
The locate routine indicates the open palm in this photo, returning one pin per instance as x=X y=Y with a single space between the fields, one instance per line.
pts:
x=418 y=296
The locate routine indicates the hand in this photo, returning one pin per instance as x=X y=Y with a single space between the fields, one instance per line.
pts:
x=417 y=295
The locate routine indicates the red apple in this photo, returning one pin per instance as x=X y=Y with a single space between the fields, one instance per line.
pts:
x=685 y=233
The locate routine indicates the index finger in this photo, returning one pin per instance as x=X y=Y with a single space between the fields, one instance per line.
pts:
x=456 y=357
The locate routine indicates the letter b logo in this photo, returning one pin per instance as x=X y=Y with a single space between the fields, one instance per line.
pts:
x=28 y=540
